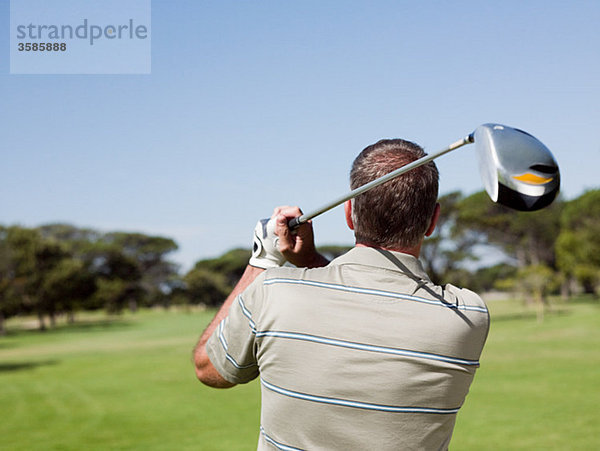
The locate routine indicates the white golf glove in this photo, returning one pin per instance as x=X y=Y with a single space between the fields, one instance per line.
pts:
x=265 y=252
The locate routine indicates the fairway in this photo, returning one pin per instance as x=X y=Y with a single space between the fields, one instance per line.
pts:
x=127 y=383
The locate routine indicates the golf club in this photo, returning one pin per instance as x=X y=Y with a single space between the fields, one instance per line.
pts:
x=517 y=170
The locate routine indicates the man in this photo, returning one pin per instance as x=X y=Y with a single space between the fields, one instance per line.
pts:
x=364 y=352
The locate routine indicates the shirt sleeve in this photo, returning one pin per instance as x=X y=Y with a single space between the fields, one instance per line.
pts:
x=232 y=346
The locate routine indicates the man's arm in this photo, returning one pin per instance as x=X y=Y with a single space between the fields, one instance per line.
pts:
x=205 y=371
x=297 y=247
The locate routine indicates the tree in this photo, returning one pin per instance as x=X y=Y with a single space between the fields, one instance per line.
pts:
x=578 y=245
x=536 y=282
x=450 y=245
x=206 y=287
x=156 y=275
x=75 y=240
x=211 y=280
x=114 y=294
x=491 y=277
x=72 y=283
x=231 y=264
x=68 y=285
x=33 y=258
x=118 y=278
x=8 y=306
x=526 y=236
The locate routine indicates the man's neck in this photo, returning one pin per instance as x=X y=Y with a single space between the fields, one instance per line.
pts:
x=414 y=251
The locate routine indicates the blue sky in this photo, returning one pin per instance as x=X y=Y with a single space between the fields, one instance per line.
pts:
x=250 y=105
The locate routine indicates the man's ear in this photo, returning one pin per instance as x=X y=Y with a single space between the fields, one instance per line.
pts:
x=348 y=213
x=434 y=220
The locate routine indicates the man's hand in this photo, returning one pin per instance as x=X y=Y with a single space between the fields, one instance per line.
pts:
x=265 y=250
x=297 y=246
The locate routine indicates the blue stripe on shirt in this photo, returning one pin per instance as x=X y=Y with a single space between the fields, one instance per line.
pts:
x=365 y=347
x=355 y=404
x=228 y=356
x=247 y=313
x=370 y=291
x=277 y=444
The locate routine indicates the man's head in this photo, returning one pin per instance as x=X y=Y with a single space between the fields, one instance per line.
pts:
x=398 y=213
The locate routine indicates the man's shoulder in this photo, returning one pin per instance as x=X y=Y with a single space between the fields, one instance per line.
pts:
x=287 y=272
x=469 y=303
x=465 y=295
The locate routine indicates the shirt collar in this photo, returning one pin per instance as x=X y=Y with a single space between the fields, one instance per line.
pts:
x=384 y=259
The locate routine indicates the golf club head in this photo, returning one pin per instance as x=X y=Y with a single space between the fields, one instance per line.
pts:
x=517 y=170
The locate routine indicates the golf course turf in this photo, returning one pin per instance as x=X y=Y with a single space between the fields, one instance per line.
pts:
x=127 y=382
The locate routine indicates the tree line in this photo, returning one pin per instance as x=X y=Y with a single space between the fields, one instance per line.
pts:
x=60 y=269
x=552 y=251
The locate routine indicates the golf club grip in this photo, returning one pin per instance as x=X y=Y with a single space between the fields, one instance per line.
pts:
x=295 y=223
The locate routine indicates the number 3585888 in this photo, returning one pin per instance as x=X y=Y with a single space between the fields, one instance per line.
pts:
x=42 y=47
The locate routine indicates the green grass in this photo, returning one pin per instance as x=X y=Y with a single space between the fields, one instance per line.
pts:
x=121 y=384
x=539 y=383
x=128 y=383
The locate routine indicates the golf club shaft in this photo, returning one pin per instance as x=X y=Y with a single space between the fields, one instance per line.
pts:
x=366 y=187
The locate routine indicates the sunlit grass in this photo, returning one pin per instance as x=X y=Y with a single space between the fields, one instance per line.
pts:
x=539 y=383
x=127 y=383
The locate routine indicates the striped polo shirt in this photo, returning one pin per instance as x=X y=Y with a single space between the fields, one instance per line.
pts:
x=364 y=353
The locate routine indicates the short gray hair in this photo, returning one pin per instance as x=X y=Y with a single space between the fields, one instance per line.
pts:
x=396 y=214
